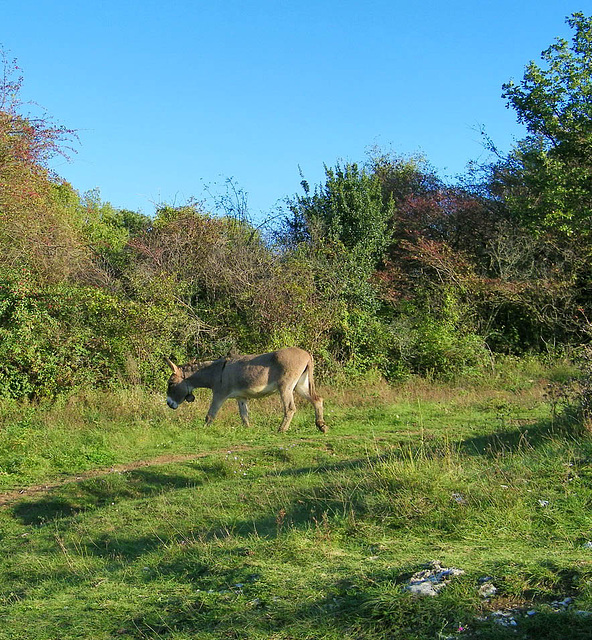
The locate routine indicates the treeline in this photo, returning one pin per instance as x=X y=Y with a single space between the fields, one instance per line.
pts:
x=384 y=267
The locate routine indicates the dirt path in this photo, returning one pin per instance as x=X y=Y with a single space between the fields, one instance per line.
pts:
x=7 y=497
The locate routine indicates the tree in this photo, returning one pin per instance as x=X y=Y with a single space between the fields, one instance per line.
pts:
x=348 y=210
x=35 y=231
x=547 y=179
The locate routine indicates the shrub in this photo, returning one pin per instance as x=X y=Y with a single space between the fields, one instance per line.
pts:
x=440 y=342
x=56 y=339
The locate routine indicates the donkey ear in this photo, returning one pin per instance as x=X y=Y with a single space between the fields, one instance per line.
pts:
x=172 y=365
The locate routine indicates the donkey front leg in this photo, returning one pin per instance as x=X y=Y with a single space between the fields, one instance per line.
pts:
x=217 y=402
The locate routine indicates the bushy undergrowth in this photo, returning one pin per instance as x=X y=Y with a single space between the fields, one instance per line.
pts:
x=58 y=339
x=395 y=302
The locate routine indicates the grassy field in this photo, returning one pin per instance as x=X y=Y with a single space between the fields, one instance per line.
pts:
x=122 y=519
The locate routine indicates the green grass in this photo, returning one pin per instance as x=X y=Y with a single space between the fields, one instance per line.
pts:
x=246 y=533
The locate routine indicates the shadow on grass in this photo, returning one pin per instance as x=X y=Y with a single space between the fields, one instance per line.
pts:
x=87 y=495
x=91 y=494
x=332 y=467
x=527 y=436
x=360 y=604
x=37 y=512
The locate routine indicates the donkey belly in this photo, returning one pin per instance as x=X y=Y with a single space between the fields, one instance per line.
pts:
x=255 y=391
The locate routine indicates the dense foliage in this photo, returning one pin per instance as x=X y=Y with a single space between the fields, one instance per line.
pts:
x=547 y=181
x=382 y=268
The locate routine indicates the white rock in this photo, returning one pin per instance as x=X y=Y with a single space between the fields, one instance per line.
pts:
x=425 y=588
x=429 y=581
x=487 y=590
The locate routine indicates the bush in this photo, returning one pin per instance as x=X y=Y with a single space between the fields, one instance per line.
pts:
x=361 y=342
x=56 y=339
x=570 y=396
x=440 y=342
x=442 y=350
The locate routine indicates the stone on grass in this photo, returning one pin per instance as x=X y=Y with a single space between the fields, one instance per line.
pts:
x=432 y=579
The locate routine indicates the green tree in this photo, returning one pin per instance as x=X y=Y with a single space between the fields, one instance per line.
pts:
x=348 y=210
x=547 y=179
x=342 y=230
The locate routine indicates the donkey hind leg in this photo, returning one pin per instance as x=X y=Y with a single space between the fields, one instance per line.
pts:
x=244 y=412
x=287 y=396
x=304 y=391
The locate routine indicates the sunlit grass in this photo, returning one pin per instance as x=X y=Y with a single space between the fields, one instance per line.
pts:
x=247 y=533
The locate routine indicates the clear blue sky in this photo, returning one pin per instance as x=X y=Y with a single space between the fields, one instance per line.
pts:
x=169 y=96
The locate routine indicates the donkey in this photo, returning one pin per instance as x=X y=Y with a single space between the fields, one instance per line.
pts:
x=244 y=377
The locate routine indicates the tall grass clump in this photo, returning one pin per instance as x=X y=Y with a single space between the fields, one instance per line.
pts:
x=570 y=396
